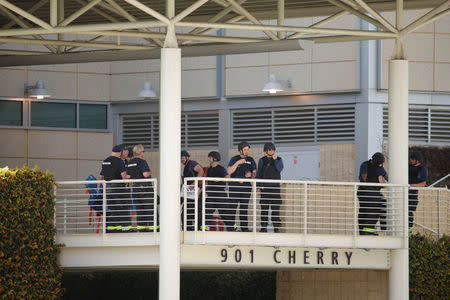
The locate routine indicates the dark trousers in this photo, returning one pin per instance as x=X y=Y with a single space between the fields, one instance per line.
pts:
x=239 y=195
x=143 y=195
x=215 y=200
x=118 y=214
x=190 y=213
x=413 y=201
x=270 y=198
x=372 y=207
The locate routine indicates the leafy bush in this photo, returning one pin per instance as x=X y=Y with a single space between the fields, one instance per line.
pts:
x=28 y=268
x=429 y=267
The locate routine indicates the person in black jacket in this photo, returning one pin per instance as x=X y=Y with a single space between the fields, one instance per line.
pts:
x=372 y=205
x=240 y=166
x=270 y=167
x=143 y=192
x=418 y=176
x=191 y=169
x=118 y=215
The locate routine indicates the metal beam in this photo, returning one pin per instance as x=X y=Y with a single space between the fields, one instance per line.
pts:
x=290 y=28
x=79 y=12
x=25 y=14
x=53 y=13
x=280 y=19
x=377 y=16
x=100 y=12
x=148 y=10
x=341 y=38
x=35 y=7
x=188 y=10
x=414 y=25
x=322 y=22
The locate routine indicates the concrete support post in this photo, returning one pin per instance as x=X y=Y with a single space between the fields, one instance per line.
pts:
x=170 y=148
x=398 y=171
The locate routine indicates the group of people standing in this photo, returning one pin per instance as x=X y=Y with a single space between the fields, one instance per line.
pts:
x=123 y=198
x=241 y=166
x=372 y=204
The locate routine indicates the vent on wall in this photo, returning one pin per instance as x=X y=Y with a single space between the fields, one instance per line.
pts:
x=197 y=130
x=293 y=125
x=426 y=125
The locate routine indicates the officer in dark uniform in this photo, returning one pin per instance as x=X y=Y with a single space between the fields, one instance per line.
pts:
x=143 y=193
x=418 y=176
x=217 y=197
x=270 y=167
x=191 y=169
x=372 y=205
x=118 y=216
x=240 y=166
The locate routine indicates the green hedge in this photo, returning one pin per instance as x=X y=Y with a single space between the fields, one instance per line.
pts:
x=429 y=267
x=28 y=268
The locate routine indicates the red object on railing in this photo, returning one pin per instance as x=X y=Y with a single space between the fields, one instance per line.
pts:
x=216 y=224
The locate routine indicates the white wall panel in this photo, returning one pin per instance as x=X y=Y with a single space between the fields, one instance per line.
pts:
x=52 y=144
x=442 y=82
x=11 y=82
x=334 y=76
x=100 y=67
x=93 y=87
x=60 y=85
x=244 y=81
x=300 y=76
x=198 y=83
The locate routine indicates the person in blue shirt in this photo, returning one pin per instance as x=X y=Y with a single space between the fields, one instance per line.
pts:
x=191 y=169
x=270 y=167
x=372 y=205
x=418 y=176
x=240 y=166
x=143 y=192
x=215 y=190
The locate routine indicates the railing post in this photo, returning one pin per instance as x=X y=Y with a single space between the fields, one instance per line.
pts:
x=155 y=207
x=305 y=208
x=254 y=205
x=439 y=213
x=204 y=204
x=196 y=205
x=104 y=210
x=355 y=212
x=65 y=215
x=185 y=205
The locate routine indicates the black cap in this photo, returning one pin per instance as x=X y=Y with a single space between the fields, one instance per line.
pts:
x=117 y=148
x=185 y=153
x=378 y=158
x=215 y=155
x=269 y=146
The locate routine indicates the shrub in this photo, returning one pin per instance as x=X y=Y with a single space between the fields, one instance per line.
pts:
x=429 y=267
x=28 y=268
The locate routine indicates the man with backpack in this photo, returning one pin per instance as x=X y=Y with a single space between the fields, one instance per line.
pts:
x=270 y=167
x=143 y=192
x=418 y=176
x=240 y=166
x=191 y=169
x=217 y=197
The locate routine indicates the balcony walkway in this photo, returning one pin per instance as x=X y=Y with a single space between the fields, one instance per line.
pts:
x=319 y=226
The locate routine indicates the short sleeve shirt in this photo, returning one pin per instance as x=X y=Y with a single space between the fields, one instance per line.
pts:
x=112 y=168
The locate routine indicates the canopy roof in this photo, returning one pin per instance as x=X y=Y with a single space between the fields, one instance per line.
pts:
x=70 y=28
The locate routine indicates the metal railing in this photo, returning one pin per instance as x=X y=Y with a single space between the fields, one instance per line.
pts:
x=287 y=206
x=129 y=206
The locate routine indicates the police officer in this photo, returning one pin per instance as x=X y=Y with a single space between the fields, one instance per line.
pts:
x=113 y=168
x=143 y=192
x=191 y=169
x=240 y=166
x=372 y=205
x=270 y=167
x=418 y=176
x=217 y=197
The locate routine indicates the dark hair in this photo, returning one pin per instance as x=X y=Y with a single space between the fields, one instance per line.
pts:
x=130 y=152
x=215 y=155
x=378 y=158
x=269 y=146
x=417 y=156
x=242 y=145
x=185 y=153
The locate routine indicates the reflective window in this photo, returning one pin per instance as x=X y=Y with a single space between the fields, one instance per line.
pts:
x=93 y=116
x=10 y=113
x=61 y=115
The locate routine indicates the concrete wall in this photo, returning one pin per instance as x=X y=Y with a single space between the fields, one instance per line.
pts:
x=71 y=155
x=337 y=162
x=332 y=284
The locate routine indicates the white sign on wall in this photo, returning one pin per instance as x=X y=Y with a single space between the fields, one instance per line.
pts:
x=300 y=164
x=282 y=257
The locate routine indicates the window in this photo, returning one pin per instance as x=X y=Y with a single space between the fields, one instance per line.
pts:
x=93 y=116
x=45 y=114
x=10 y=113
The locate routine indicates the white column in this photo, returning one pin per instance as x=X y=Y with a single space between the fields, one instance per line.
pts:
x=169 y=149
x=398 y=170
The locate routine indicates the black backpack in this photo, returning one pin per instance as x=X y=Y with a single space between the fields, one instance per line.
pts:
x=268 y=170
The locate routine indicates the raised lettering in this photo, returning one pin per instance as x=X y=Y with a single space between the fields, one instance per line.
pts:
x=319 y=257
x=275 y=256
x=349 y=255
x=334 y=258
x=306 y=257
x=291 y=257
x=251 y=255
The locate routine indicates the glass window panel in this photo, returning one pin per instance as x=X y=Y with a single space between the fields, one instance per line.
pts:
x=93 y=116
x=45 y=114
x=11 y=113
